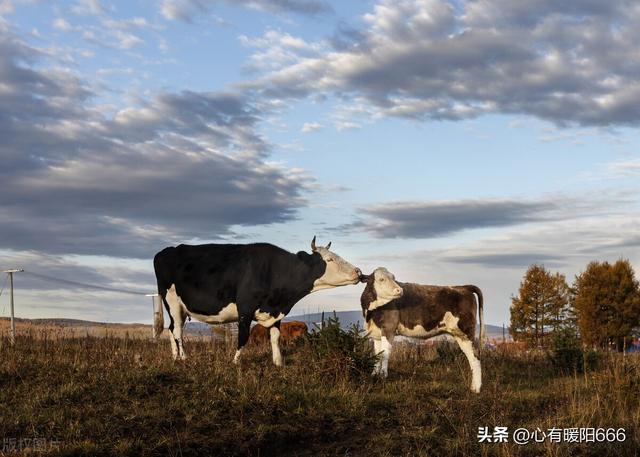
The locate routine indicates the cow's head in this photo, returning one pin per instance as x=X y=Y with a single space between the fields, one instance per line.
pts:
x=338 y=272
x=381 y=289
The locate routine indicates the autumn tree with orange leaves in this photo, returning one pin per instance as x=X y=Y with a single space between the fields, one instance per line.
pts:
x=541 y=308
x=607 y=302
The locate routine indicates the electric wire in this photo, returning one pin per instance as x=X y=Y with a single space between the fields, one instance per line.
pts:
x=82 y=284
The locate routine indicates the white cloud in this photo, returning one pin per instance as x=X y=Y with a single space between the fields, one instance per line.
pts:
x=629 y=167
x=88 y=7
x=187 y=165
x=62 y=24
x=309 y=127
x=189 y=10
x=6 y=7
x=570 y=63
x=277 y=49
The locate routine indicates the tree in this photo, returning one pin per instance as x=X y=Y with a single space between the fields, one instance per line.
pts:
x=541 y=308
x=607 y=303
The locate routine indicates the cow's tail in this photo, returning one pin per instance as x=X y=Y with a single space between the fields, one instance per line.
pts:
x=476 y=290
x=159 y=301
x=158 y=315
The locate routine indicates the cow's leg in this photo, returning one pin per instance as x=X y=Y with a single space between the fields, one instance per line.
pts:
x=244 y=328
x=476 y=371
x=377 y=348
x=274 y=333
x=178 y=318
x=179 y=329
x=174 y=345
x=385 y=346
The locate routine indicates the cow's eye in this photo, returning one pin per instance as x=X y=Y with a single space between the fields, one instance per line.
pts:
x=381 y=279
x=329 y=260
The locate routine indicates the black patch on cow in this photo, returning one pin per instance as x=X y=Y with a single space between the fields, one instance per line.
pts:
x=254 y=276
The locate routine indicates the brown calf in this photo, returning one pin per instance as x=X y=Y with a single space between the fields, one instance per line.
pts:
x=289 y=333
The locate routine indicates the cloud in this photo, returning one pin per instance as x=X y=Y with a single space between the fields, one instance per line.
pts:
x=436 y=219
x=630 y=167
x=62 y=24
x=6 y=7
x=168 y=168
x=88 y=7
x=188 y=10
x=52 y=272
x=276 y=49
x=570 y=63
x=309 y=127
x=570 y=243
x=112 y=33
x=512 y=260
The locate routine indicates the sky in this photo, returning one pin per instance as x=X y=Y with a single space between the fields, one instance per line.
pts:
x=453 y=142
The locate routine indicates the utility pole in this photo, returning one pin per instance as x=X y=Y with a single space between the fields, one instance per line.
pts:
x=13 y=322
x=157 y=312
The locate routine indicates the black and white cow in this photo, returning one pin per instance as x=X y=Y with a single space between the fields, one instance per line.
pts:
x=219 y=283
x=420 y=311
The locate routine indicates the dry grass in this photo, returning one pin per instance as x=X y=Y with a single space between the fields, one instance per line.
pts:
x=125 y=396
x=59 y=329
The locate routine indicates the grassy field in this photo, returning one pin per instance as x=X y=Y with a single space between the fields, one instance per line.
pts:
x=125 y=396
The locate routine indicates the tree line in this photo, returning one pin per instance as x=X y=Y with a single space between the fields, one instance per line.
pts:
x=602 y=306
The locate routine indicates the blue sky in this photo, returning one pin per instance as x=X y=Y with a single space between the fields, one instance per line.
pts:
x=452 y=142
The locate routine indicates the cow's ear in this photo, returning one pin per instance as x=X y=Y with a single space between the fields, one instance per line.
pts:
x=368 y=295
x=328 y=245
x=313 y=244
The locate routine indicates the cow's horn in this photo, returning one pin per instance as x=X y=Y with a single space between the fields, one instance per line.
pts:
x=313 y=244
x=328 y=245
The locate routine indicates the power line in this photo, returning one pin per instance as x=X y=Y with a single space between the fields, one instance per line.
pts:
x=82 y=284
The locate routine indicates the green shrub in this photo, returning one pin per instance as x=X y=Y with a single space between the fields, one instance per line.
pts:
x=567 y=354
x=447 y=350
x=341 y=352
x=592 y=359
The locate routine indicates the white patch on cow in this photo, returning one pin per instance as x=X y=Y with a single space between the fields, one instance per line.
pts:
x=176 y=310
x=274 y=334
x=385 y=346
x=174 y=347
x=416 y=332
x=378 y=303
x=449 y=321
x=236 y=357
x=476 y=371
x=419 y=332
x=266 y=319
x=377 y=349
x=227 y=314
x=373 y=331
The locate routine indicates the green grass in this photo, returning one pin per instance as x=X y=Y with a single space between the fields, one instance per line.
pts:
x=114 y=396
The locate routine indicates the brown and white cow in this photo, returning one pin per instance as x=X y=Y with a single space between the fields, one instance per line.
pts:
x=394 y=308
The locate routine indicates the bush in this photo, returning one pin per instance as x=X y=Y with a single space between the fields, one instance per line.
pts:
x=567 y=353
x=448 y=351
x=341 y=352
